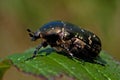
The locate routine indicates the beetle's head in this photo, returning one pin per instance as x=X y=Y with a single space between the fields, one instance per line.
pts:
x=34 y=35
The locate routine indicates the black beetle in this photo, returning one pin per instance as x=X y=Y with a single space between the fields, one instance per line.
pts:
x=68 y=38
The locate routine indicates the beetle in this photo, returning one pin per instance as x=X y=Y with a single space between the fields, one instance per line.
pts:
x=66 y=37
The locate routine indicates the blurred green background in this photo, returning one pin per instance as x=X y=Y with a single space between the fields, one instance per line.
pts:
x=99 y=16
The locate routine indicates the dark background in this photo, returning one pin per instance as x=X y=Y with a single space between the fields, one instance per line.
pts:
x=99 y=16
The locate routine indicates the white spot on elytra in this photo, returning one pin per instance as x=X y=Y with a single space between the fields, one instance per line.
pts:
x=82 y=30
x=94 y=36
x=90 y=41
x=76 y=35
x=53 y=28
x=81 y=37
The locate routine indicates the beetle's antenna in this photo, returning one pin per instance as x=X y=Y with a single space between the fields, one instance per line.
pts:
x=30 y=31
x=31 y=34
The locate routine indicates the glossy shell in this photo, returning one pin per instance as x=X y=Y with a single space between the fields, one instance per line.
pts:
x=69 y=38
x=85 y=35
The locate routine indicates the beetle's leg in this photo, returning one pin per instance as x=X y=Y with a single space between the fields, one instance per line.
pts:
x=35 y=52
x=44 y=44
x=68 y=51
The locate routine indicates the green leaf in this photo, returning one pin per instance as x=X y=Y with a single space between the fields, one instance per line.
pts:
x=4 y=65
x=49 y=64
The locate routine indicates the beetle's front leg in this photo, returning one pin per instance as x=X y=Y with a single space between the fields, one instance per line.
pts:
x=44 y=44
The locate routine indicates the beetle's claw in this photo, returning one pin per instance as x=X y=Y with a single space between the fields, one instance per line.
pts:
x=30 y=58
